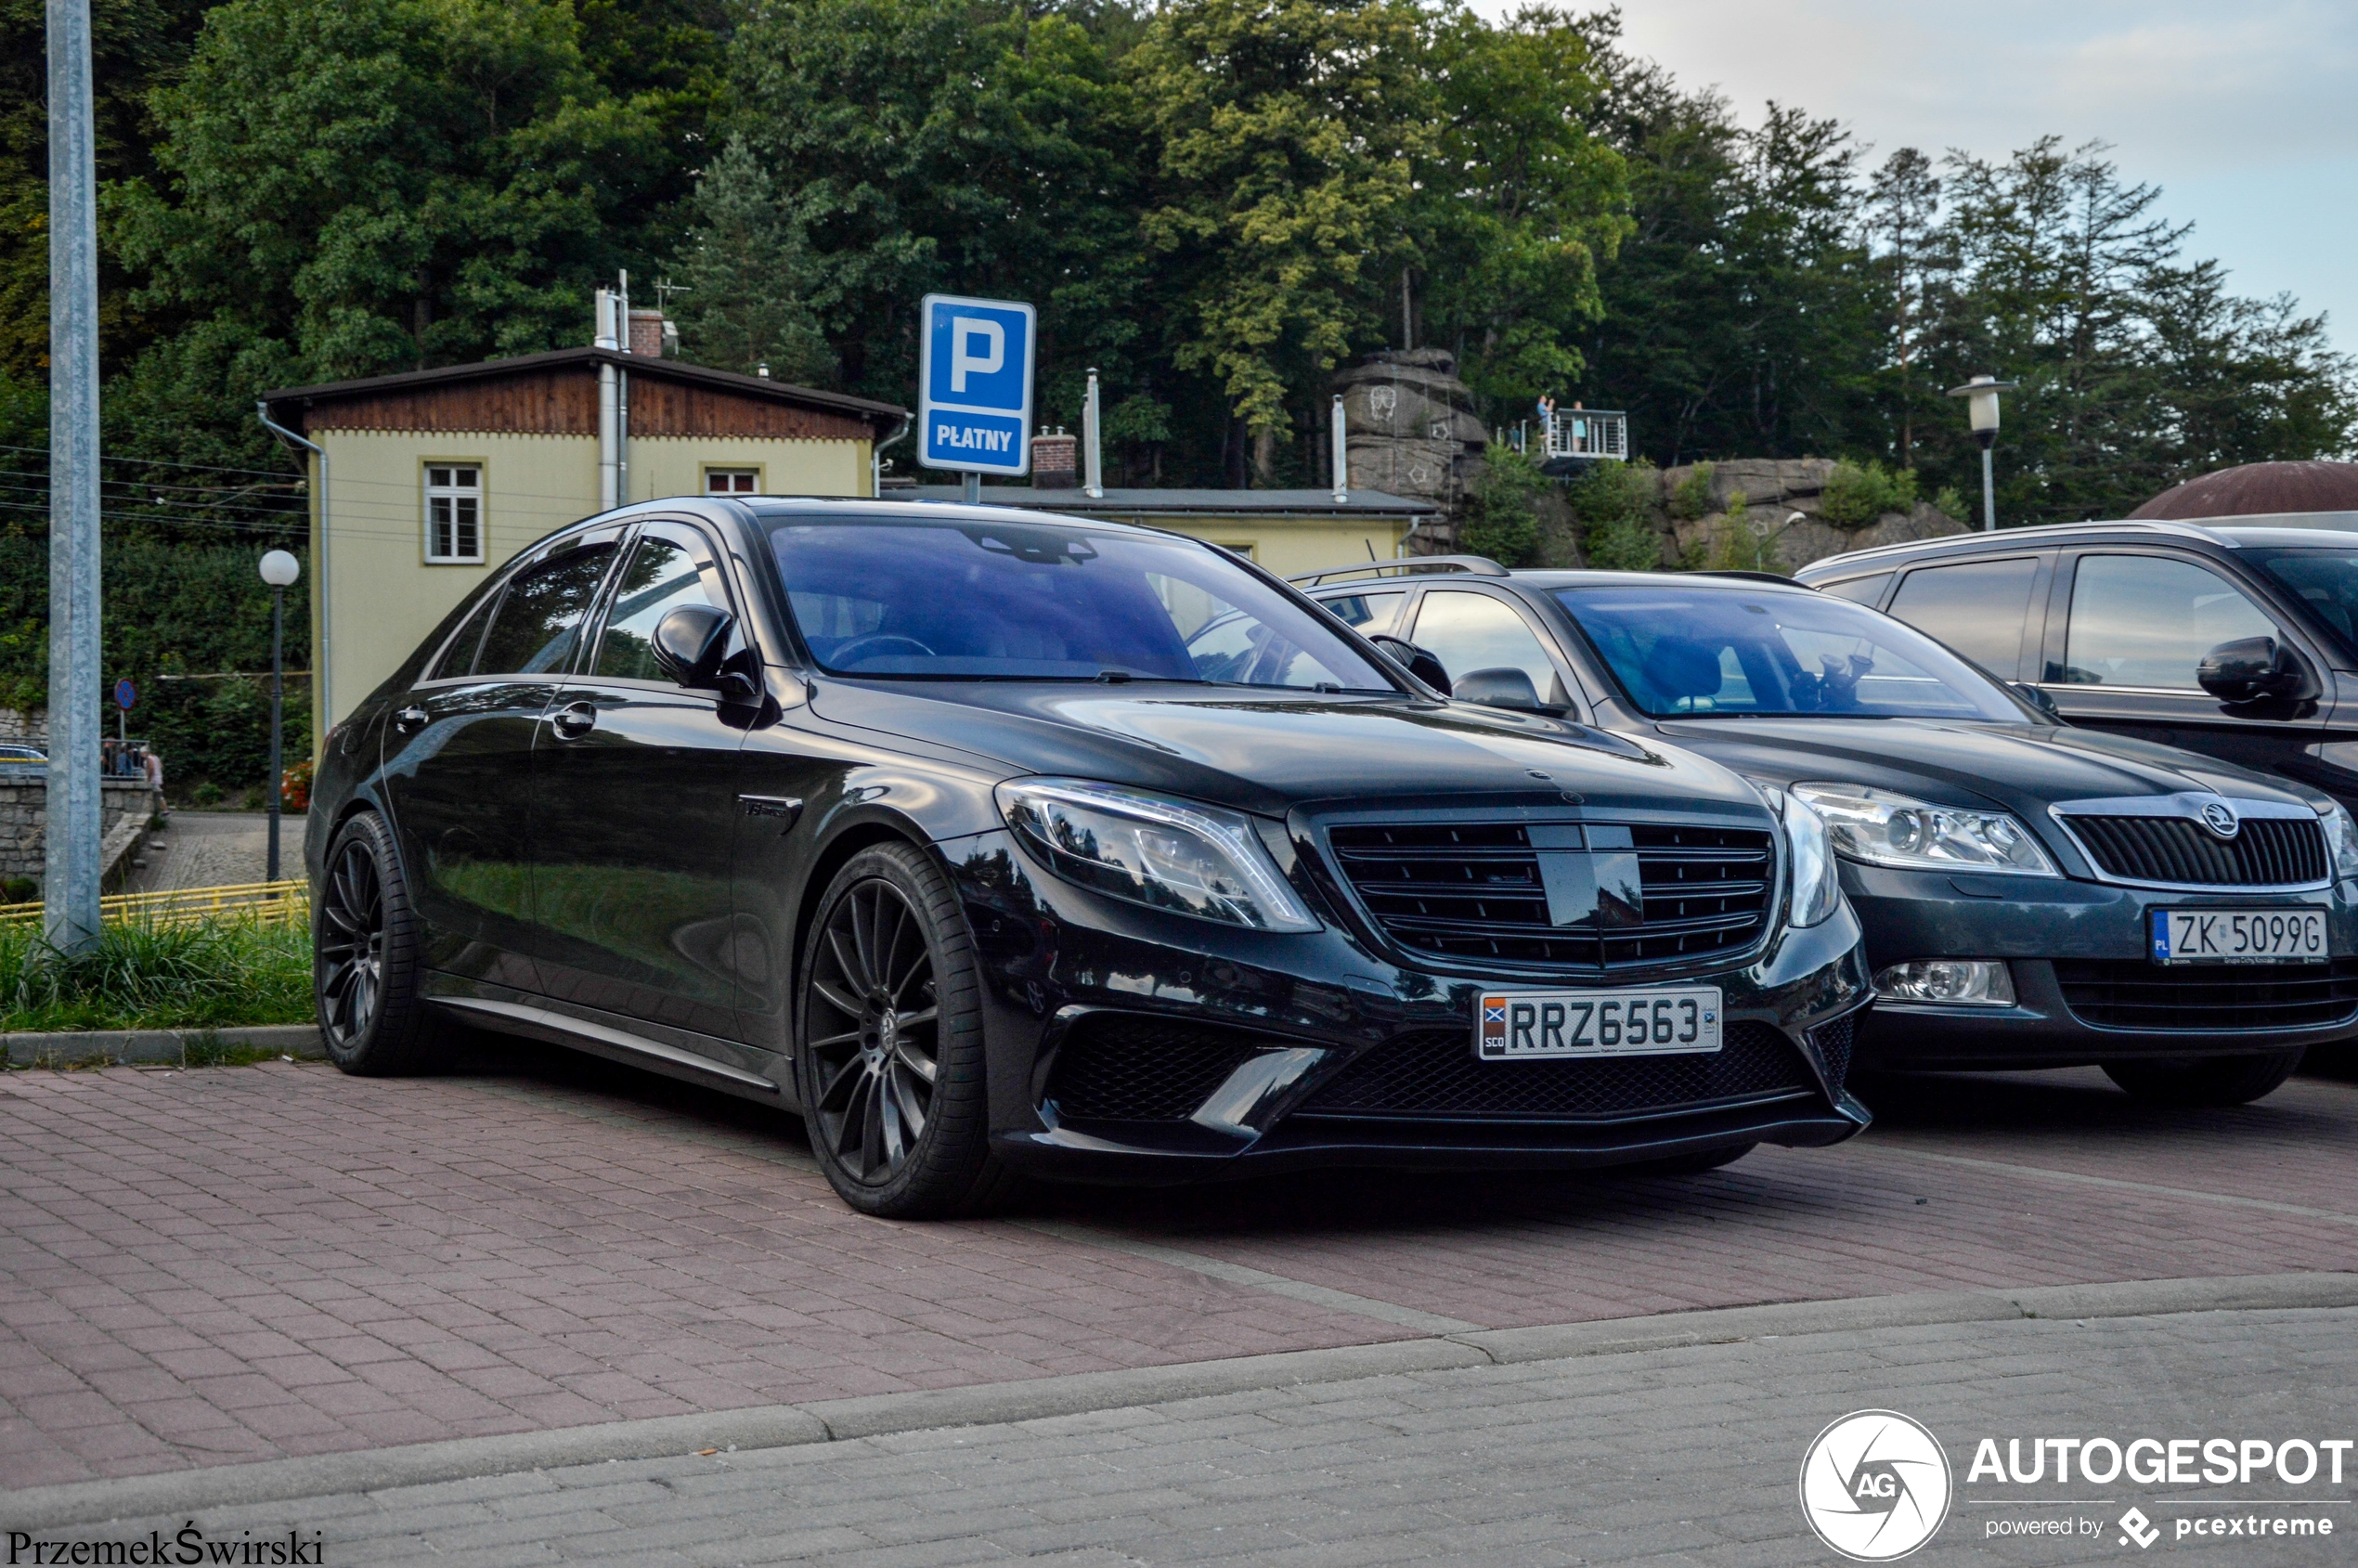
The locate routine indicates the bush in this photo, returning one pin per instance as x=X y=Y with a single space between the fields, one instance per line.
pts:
x=1502 y=515
x=1692 y=497
x=208 y=793
x=1613 y=504
x=1951 y=502
x=294 y=787
x=1856 y=495
x=216 y=973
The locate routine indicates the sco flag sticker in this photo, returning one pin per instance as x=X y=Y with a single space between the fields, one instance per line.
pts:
x=1875 y=1485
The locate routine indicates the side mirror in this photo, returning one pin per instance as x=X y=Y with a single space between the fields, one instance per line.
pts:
x=2250 y=669
x=1415 y=660
x=2037 y=697
x=1503 y=687
x=691 y=643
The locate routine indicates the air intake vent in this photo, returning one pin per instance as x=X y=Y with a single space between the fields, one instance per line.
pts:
x=1435 y=1074
x=2265 y=852
x=1475 y=891
x=2205 y=998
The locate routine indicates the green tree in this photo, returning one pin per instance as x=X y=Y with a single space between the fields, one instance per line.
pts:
x=943 y=144
x=1502 y=515
x=1518 y=203
x=1285 y=134
x=350 y=187
x=745 y=274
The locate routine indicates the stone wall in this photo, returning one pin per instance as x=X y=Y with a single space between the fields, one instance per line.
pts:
x=1781 y=527
x=127 y=805
x=1411 y=430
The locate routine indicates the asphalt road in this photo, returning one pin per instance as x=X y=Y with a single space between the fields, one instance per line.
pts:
x=1686 y=1455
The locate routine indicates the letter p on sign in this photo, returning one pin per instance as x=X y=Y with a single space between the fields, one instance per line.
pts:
x=964 y=332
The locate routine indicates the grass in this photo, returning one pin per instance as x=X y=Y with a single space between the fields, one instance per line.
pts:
x=223 y=973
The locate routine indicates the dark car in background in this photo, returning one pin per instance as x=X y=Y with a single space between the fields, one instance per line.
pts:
x=2033 y=894
x=2236 y=640
x=929 y=822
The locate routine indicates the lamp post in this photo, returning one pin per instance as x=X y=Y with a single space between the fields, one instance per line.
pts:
x=1981 y=406
x=280 y=569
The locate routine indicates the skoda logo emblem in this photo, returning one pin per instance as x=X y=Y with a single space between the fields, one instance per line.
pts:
x=2219 y=817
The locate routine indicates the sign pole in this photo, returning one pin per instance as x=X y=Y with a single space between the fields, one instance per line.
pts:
x=71 y=869
x=974 y=488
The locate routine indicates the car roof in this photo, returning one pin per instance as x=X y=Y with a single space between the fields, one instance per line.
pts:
x=1543 y=578
x=768 y=509
x=2221 y=533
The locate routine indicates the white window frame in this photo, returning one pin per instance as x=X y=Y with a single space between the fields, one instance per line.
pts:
x=732 y=469
x=451 y=498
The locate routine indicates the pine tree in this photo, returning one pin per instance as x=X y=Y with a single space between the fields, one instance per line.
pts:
x=745 y=277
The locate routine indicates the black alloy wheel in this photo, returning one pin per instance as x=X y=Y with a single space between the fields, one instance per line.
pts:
x=365 y=966
x=892 y=1064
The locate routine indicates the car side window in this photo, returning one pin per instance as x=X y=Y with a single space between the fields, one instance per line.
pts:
x=1976 y=607
x=2145 y=620
x=669 y=567
x=1858 y=590
x=458 y=659
x=1470 y=631
x=1368 y=613
x=539 y=624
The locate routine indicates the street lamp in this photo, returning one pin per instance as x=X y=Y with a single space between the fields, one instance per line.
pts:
x=280 y=569
x=1981 y=405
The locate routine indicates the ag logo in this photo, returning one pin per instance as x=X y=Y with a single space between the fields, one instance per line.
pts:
x=1874 y=1485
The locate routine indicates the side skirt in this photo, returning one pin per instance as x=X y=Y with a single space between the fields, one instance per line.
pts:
x=535 y=1022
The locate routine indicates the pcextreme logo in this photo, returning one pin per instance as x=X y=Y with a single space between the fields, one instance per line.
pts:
x=1875 y=1485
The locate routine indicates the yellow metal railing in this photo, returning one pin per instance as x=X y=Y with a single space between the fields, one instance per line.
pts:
x=267 y=903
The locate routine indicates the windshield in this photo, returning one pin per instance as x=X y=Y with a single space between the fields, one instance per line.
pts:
x=1040 y=601
x=2326 y=580
x=1690 y=653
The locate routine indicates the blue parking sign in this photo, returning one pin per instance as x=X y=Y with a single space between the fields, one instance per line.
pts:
x=973 y=385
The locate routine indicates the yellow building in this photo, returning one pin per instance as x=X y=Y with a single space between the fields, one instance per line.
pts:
x=424 y=483
x=1285 y=531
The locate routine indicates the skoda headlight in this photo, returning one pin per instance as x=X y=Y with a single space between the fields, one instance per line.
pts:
x=1881 y=828
x=2341 y=837
x=1816 y=886
x=1169 y=854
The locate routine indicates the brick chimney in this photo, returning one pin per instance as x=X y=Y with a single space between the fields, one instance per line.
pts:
x=652 y=335
x=1055 y=459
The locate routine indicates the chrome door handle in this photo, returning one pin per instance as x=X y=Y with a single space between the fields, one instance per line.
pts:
x=410 y=719
x=574 y=721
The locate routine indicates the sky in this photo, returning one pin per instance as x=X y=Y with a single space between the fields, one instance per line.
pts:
x=2245 y=113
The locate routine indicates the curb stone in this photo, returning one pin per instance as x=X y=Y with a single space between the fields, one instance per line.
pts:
x=778 y=1425
x=150 y=1047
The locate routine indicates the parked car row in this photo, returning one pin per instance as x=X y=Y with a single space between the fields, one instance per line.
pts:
x=997 y=844
x=2033 y=894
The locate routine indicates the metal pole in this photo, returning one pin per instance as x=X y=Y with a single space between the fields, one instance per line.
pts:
x=323 y=708
x=1339 y=455
x=974 y=488
x=277 y=768
x=1093 y=472
x=1988 y=496
x=71 y=869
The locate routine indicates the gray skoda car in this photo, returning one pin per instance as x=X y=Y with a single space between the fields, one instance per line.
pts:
x=2033 y=894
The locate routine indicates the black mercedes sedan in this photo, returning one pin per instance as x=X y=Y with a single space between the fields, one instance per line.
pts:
x=997 y=843
x=2033 y=894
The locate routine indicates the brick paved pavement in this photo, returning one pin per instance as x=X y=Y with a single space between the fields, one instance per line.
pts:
x=206 y=1267
x=1683 y=1456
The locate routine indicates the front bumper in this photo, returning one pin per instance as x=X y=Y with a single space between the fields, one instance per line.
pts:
x=1062 y=964
x=2055 y=934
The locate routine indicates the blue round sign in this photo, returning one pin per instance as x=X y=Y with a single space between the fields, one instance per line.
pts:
x=125 y=694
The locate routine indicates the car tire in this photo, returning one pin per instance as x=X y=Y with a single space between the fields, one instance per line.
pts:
x=889 y=1060
x=2206 y=1081
x=366 y=967
x=1690 y=1164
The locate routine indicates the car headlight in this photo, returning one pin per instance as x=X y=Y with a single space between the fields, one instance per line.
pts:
x=1816 y=886
x=1169 y=854
x=2341 y=837
x=1881 y=828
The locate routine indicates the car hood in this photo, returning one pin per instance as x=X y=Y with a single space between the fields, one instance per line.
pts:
x=1270 y=753
x=2020 y=767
